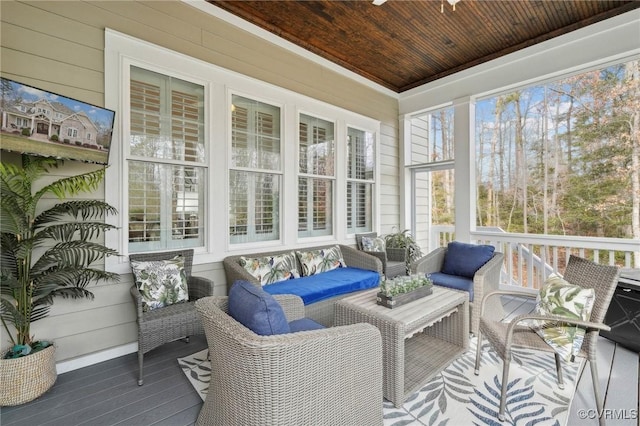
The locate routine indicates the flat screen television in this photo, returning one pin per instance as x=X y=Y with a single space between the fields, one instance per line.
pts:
x=38 y=122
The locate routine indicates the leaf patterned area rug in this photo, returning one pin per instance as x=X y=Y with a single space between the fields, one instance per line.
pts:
x=458 y=397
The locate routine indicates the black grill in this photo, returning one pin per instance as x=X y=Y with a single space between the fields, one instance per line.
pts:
x=623 y=315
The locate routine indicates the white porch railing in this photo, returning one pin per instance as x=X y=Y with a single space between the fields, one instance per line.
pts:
x=530 y=258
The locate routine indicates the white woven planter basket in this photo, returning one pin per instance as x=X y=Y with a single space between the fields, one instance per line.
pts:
x=26 y=378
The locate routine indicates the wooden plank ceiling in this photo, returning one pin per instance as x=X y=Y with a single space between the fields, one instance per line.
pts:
x=402 y=44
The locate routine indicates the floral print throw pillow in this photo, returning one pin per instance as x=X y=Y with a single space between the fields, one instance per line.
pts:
x=558 y=297
x=271 y=269
x=322 y=260
x=161 y=282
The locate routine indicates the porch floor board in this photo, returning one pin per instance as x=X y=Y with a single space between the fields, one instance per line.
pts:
x=108 y=394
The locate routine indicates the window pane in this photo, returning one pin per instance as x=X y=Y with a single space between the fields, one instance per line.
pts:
x=316 y=152
x=188 y=199
x=167 y=117
x=315 y=207
x=166 y=203
x=359 y=207
x=360 y=154
x=316 y=148
x=144 y=202
x=432 y=137
x=432 y=209
x=254 y=197
x=360 y=167
x=255 y=134
x=254 y=206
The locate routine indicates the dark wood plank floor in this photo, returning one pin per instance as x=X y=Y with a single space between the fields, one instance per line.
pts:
x=108 y=394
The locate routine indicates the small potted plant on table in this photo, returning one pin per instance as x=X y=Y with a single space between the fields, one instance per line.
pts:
x=403 y=289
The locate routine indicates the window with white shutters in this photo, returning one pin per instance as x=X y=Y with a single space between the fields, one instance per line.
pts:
x=255 y=174
x=166 y=162
x=360 y=180
x=316 y=176
x=204 y=157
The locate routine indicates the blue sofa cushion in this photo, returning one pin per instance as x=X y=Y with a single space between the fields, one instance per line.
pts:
x=465 y=259
x=304 y=324
x=256 y=309
x=325 y=285
x=453 y=281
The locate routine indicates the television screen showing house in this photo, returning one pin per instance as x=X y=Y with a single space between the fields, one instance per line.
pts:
x=38 y=122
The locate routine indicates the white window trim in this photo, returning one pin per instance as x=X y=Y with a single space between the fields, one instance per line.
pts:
x=122 y=50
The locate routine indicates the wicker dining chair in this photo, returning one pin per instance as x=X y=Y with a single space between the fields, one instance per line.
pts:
x=173 y=322
x=503 y=336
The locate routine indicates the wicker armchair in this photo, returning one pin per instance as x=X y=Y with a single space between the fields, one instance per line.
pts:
x=331 y=376
x=164 y=325
x=393 y=259
x=502 y=336
x=485 y=280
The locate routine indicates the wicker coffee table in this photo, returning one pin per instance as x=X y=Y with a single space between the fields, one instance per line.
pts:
x=419 y=339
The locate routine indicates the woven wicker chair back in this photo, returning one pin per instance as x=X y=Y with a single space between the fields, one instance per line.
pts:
x=602 y=278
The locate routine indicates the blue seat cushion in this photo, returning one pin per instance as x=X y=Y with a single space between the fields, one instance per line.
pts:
x=453 y=281
x=325 y=285
x=465 y=259
x=256 y=309
x=304 y=324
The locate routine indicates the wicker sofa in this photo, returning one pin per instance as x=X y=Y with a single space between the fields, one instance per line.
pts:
x=325 y=377
x=320 y=311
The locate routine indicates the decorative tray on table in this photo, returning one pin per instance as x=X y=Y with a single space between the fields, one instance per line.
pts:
x=402 y=290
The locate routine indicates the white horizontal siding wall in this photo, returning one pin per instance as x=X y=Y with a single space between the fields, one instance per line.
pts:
x=59 y=46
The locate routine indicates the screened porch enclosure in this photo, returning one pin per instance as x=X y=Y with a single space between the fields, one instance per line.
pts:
x=541 y=171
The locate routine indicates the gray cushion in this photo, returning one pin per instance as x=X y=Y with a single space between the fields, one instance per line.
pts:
x=256 y=309
x=465 y=259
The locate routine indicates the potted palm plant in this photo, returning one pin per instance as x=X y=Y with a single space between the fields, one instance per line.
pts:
x=44 y=254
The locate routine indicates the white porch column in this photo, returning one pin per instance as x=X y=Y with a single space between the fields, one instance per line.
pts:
x=464 y=168
x=404 y=174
